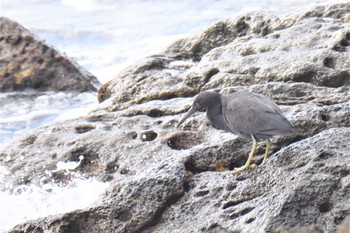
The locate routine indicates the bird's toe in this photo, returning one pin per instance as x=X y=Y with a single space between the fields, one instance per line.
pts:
x=253 y=165
x=240 y=169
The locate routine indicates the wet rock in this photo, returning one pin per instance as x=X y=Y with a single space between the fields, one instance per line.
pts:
x=286 y=191
x=123 y=207
x=165 y=179
x=28 y=63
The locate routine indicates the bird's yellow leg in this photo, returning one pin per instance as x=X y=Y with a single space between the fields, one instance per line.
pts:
x=247 y=164
x=268 y=144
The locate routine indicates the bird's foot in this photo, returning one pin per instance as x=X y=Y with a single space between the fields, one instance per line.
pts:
x=253 y=165
x=239 y=169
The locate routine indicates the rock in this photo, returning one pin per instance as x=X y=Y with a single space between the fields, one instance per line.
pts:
x=317 y=46
x=303 y=229
x=344 y=226
x=287 y=191
x=28 y=63
x=122 y=209
x=165 y=179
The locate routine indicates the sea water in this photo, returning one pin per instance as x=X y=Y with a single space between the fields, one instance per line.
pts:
x=104 y=37
x=27 y=202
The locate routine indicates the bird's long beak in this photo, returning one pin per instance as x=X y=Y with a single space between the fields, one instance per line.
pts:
x=192 y=110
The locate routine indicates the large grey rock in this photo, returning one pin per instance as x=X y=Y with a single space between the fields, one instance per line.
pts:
x=165 y=179
x=28 y=63
x=303 y=183
x=299 y=48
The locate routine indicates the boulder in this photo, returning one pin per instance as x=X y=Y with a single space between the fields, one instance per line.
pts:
x=28 y=63
x=165 y=179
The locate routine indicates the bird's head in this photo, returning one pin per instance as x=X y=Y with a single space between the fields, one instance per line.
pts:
x=202 y=102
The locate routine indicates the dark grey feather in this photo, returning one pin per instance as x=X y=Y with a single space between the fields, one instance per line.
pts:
x=248 y=113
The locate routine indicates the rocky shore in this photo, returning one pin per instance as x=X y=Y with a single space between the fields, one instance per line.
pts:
x=29 y=63
x=166 y=179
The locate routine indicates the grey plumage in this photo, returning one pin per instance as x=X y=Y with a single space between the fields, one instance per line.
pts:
x=247 y=114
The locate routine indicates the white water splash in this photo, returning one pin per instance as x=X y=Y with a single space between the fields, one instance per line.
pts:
x=31 y=202
x=71 y=165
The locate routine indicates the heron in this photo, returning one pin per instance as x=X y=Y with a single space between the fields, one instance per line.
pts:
x=247 y=114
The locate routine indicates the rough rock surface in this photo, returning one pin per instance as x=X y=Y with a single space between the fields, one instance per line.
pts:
x=165 y=179
x=28 y=63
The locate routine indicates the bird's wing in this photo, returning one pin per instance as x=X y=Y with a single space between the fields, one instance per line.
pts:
x=249 y=113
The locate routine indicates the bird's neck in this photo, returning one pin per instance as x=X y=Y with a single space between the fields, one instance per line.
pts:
x=214 y=109
x=215 y=116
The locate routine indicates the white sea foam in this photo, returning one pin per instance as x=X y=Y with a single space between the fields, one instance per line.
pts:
x=69 y=165
x=30 y=202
